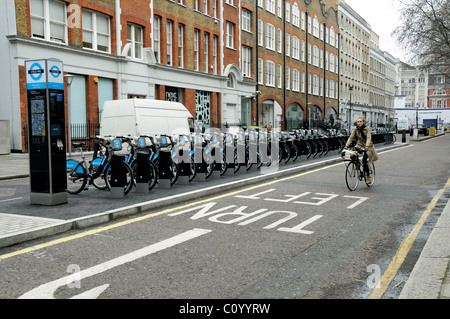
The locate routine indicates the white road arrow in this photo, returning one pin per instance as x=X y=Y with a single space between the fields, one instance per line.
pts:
x=47 y=291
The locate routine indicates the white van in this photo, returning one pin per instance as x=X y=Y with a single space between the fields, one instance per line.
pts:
x=137 y=117
x=403 y=125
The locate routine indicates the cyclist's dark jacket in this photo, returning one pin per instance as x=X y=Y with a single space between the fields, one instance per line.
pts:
x=364 y=140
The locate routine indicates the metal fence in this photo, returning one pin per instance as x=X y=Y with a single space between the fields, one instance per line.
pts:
x=79 y=133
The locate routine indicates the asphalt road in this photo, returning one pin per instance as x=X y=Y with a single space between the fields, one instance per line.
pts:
x=302 y=236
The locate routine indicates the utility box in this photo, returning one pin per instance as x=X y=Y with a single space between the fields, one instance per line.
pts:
x=46 y=131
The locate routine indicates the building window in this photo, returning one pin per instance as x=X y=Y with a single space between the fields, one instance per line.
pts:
x=295 y=80
x=215 y=42
x=169 y=34
x=279 y=76
x=246 y=61
x=279 y=40
x=260 y=71
x=134 y=37
x=230 y=81
x=206 y=52
x=270 y=73
x=196 y=47
x=157 y=38
x=230 y=35
x=315 y=85
x=270 y=36
x=180 y=45
x=288 y=78
x=316 y=27
x=270 y=6
x=295 y=47
x=295 y=15
x=246 y=20
x=260 y=32
x=315 y=55
x=303 y=82
x=48 y=20
x=205 y=7
x=288 y=44
x=96 y=34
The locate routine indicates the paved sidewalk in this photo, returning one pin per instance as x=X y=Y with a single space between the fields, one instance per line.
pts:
x=428 y=280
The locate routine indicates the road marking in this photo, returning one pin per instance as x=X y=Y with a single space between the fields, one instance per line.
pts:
x=404 y=249
x=47 y=291
x=165 y=211
x=9 y=199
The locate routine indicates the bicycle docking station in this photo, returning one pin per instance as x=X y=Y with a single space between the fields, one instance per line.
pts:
x=118 y=176
x=229 y=155
x=253 y=149
x=165 y=171
x=240 y=151
x=46 y=131
x=142 y=172
x=199 y=159
x=183 y=159
x=216 y=153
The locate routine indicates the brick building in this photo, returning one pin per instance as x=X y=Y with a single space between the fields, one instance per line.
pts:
x=297 y=52
x=246 y=62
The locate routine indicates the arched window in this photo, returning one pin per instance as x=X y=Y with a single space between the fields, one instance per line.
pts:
x=230 y=81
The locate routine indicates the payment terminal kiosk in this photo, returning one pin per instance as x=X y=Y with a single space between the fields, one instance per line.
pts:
x=46 y=131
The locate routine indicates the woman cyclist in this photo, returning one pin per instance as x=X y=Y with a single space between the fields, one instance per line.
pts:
x=362 y=133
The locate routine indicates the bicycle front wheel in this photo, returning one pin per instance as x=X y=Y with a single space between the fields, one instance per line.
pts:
x=351 y=176
x=76 y=176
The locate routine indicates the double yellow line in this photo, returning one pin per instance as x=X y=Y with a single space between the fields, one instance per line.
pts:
x=404 y=249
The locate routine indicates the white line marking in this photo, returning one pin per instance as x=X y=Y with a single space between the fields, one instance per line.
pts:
x=47 y=291
x=9 y=199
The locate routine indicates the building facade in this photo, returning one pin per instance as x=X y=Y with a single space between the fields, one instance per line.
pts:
x=297 y=53
x=271 y=63
x=187 y=51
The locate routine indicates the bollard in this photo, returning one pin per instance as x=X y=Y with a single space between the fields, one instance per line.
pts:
x=142 y=173
x=403 y=136
x=118 y=176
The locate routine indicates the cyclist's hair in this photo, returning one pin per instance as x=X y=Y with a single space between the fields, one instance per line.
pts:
x=362 y=118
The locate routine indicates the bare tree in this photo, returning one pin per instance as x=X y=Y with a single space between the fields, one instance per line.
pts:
x=423 y=32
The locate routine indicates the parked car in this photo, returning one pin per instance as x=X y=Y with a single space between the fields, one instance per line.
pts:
x=423 y=129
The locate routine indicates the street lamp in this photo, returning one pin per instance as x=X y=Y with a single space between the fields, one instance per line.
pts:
x=69 y=101
x=350 y=119
x=309 y=115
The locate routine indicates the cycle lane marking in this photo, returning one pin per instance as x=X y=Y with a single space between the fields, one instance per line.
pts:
x=165 y=211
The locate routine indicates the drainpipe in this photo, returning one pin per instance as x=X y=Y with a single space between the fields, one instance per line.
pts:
x=306 y=73
x=324 y=69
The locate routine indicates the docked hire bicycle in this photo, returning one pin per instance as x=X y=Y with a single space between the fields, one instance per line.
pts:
x=98 y=171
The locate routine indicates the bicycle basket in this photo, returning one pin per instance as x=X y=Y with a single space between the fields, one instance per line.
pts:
x=348 y=155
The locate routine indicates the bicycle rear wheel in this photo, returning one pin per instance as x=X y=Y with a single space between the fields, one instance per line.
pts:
x=76 y=176
x=351 y=176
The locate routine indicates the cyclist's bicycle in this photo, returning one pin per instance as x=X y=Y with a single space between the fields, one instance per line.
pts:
x=354 y=171
x=97 y=172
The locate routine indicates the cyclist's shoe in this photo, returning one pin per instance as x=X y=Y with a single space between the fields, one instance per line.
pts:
x=368 y=179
